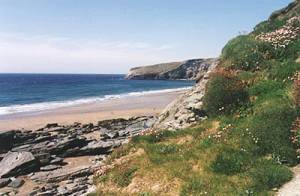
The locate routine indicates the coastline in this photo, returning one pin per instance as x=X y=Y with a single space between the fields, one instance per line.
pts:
x=124 y=107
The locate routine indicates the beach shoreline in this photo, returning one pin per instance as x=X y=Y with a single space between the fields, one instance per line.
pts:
x=125 y=107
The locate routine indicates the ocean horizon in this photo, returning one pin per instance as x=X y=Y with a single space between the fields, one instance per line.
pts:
x=34 y=92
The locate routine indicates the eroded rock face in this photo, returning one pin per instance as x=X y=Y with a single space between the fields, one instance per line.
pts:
x=188 y=70
x=187 y=108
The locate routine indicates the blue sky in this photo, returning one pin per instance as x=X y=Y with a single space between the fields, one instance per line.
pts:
x=110 y=36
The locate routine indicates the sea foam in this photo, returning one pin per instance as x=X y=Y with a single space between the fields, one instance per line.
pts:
x=43 y=106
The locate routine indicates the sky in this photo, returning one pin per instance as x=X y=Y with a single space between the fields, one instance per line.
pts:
x=111 y=36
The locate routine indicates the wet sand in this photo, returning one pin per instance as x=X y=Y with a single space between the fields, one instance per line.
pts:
x=151 y=104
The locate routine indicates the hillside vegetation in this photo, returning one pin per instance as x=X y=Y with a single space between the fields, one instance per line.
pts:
x=251 y=135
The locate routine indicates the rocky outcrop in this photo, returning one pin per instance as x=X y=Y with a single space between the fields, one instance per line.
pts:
x=15 y=163
x=188 y=70
x=42 y=156
x=186 y=110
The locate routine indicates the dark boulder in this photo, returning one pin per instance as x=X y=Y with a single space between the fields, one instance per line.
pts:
x=6 y=140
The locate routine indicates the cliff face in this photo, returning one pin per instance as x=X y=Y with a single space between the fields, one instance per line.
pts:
x=189 y=70
x=187 y=108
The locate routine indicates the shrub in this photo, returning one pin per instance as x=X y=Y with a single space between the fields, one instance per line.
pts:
x=230 y=162
x=270 y=125
x=264 y=87
x=223 y=94
x=283 y=70
x=290 y=52
x=267 y=175
x=246 y=53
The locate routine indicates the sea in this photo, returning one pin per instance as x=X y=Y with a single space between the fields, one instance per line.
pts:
x=21 y=93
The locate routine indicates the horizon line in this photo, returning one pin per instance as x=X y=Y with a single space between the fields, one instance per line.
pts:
x=53 y=73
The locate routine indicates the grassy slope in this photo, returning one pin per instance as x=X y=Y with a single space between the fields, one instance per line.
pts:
x=243 y=148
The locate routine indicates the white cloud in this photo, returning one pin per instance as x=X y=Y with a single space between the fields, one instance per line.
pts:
x=165 y=47
x=45 y=53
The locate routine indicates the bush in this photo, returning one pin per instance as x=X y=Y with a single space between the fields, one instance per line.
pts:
x=246 y=53
x=230 y=162
x=267 y=175
x=270 y=125
x=284 y=70
x=223 y=94
x=264 y=87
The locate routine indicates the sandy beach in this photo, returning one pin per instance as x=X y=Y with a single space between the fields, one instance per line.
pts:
x=150 y=104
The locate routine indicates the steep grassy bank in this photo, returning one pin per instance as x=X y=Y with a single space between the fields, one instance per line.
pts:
x=251 y=135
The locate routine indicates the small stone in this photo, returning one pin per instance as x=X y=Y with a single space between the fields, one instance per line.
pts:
x=57 y=160
x=110 y=135
x=62 y=191
x=16 y=183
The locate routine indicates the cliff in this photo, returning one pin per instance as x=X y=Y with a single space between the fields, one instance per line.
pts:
x=188 y=70
x=187 y=108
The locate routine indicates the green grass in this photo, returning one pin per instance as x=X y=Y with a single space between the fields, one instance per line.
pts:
x=246 y=53
x=268 y=26
x=121 y=176
x=231 y=161
x=268 y=175
x=192 y=187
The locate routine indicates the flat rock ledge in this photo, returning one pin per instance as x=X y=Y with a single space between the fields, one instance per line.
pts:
x=61 y=160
